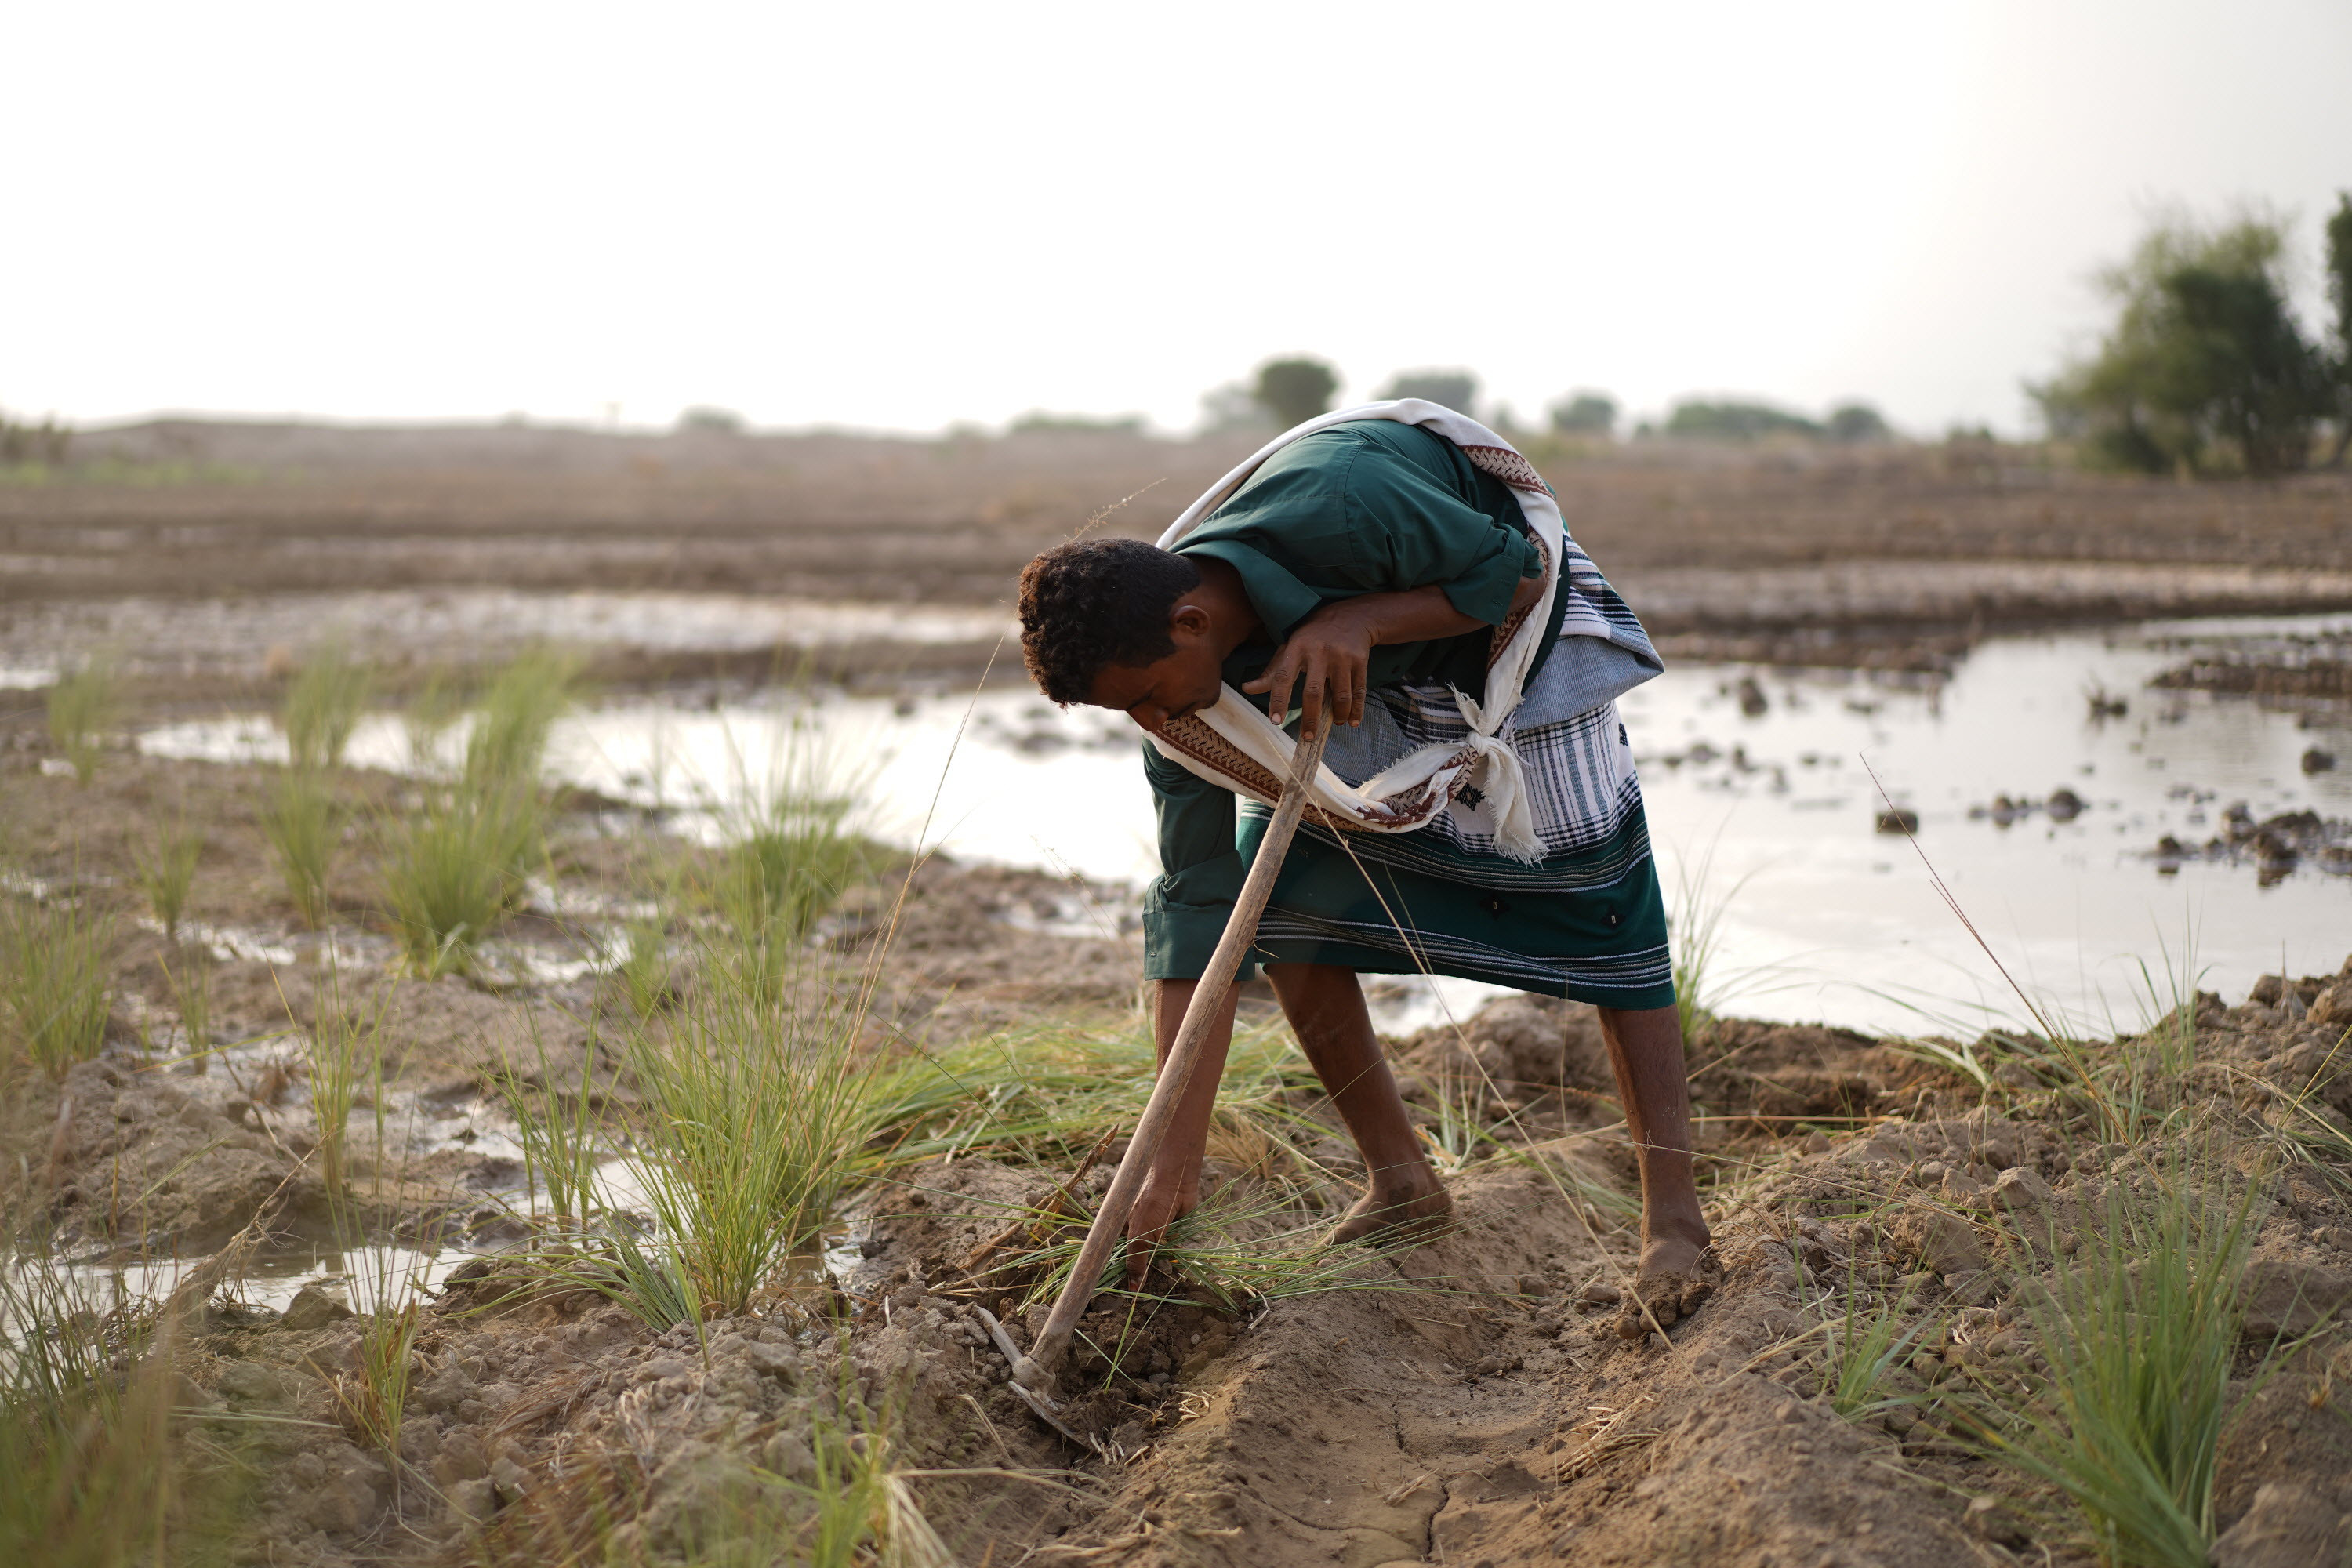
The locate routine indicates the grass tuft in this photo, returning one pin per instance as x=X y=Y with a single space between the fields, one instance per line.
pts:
x=304 y=824
x=562 y=1145
x=344 y=1054
x=166 y=870
x=82 y=708
x=507 y=743
x=756 y=1108
x=57 y=984
x=2141 y=1335
x=451 y=869
x=323 y=706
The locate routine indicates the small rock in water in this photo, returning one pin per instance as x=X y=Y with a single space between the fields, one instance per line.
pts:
x=2064 y=804
x=313 y=1307
x=1899 y=820
x=2315 y=761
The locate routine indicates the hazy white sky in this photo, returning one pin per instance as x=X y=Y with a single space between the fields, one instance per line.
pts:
x=901 y=215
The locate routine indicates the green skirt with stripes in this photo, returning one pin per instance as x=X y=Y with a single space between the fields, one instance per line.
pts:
x=1588 y=924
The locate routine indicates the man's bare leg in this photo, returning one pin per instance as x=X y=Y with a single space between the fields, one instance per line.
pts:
x=1645 y=1049
x=1172 y=1188
x=1324 y=1006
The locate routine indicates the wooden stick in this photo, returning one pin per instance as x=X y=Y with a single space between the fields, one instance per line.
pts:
x=1036 y=1369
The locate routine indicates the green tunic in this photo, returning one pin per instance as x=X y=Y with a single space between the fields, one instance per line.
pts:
x=1378 y=506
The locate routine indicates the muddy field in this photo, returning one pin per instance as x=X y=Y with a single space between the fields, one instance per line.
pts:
x=338 y=1246
x=1896 y=556
x=1901 y=1225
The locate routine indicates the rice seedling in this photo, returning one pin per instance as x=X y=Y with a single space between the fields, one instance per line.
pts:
x=57 y=983
x=755 y=1111
x=1696 y=939
x=644 y=971
x=451 y=869
x=2140 y=1334
x=850 y=1503
x=1869 y=1344
x=560 y=1135
x=304 y=824
x=507 y=743
x=323 y=705
x=82 y=707
x=428 y=720
x=792 y=847
x=342 y=1054
x=166 y=870
x=189 y=973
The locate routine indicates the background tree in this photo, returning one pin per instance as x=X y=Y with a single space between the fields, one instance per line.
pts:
x=707 y=421
x=1707 y=419
x=1855 y=422
x=47 y=442
x=1454 y=389
x=2339 y=295
x=2205 y=369
x=1584 y=414
x=1293 y=391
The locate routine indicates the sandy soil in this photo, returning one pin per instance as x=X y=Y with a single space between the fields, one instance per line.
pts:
x=1470 y=1401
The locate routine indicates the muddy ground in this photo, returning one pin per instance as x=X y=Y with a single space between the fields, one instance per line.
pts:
x=1896 y=557
x=1471 y=1401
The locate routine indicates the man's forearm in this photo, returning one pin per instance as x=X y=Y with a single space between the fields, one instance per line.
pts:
x=1420 y=615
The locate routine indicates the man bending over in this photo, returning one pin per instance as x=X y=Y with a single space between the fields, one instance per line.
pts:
x=1376 y=567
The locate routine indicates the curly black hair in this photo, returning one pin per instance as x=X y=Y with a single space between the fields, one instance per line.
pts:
x=1097 y=602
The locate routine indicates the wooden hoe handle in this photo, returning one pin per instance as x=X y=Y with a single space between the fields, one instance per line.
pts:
x=1035 y=1371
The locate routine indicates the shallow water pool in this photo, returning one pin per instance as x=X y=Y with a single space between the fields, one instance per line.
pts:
x=1762 y=803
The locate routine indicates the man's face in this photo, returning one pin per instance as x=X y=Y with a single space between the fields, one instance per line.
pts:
x=1176 y=686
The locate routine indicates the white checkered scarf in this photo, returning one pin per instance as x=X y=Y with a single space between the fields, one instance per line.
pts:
x=1236 y=747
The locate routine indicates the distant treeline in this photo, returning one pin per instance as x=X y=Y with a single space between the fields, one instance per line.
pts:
x=1290 y=391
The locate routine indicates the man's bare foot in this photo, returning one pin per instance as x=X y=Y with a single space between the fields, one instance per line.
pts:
x=1677 y=1274
x=1394 y=1218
